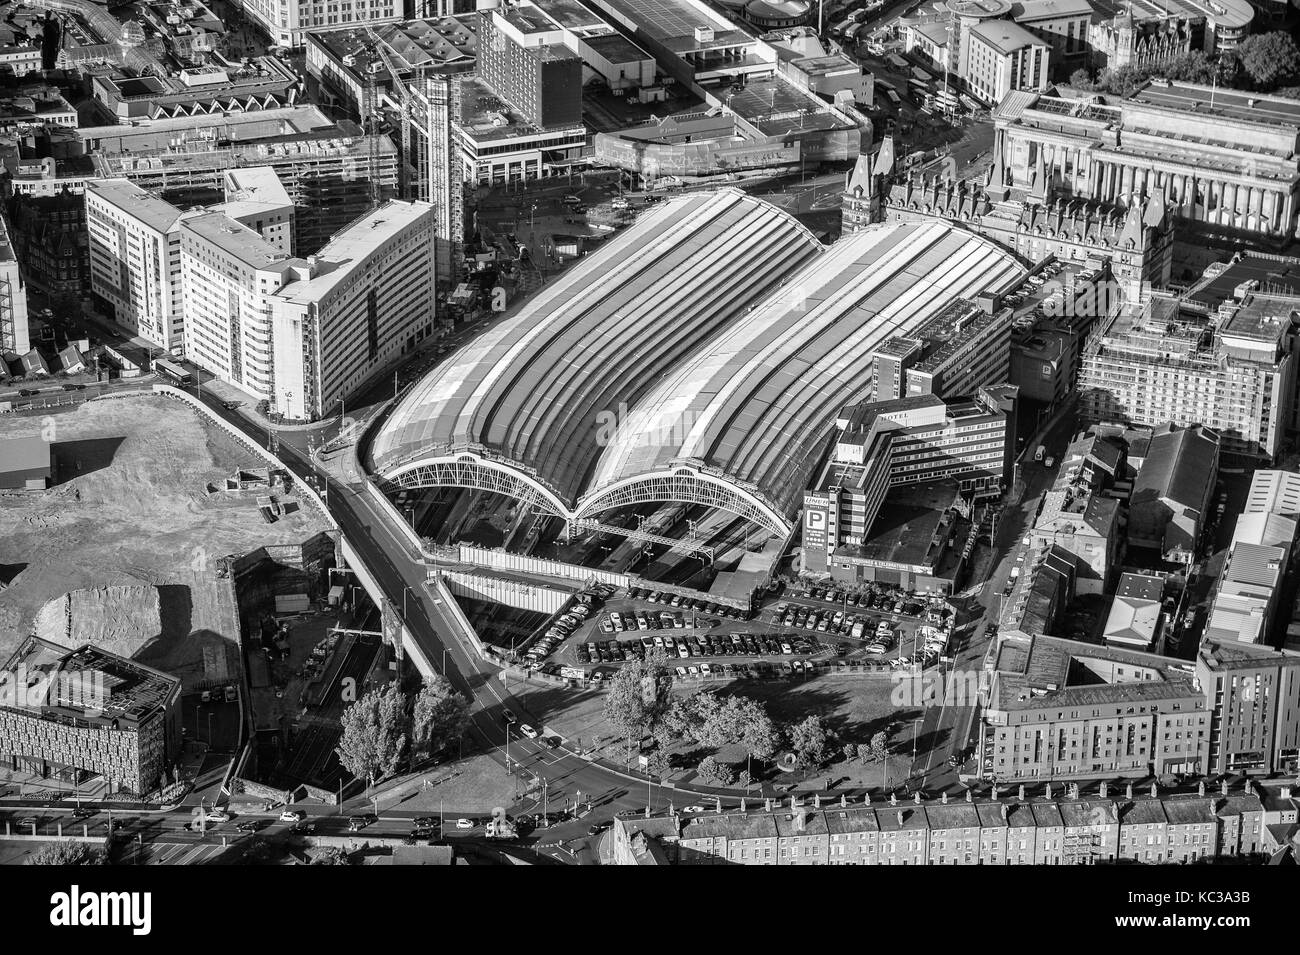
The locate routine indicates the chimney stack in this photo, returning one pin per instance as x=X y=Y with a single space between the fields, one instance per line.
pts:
x=743 y=807
x=800 y=818
x=970 y=795
x=1047 y=791
x=944 y=798
x=1223 y=788
x=1006 y=812
x=1200 y=788
x=893 y=799
x=916 y=797
x=844 y=801
x=1102 y=790
x=1155 y=790
x=718 y=805
x=817 y=800
x=1128 y=791
x=1286 y=792
x=900 y=817
x=767 y=805
x=1022 y=792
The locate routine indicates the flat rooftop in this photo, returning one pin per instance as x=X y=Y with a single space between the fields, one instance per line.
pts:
x=136 y=202
x=236 y=240
x=950 y=330
x=571 y=14
x=1005 y=36
x=617 y=48
x=349 y=249
x=1227 y=103
x=449 y=42
x=527 y=18
x=1225 y=13
x=1049 y=671
x=24 y=454
x=124 y=689
x=1141 y=586
x=774 y=106
x=1280 y=276
x=672 y=23
x=1262 y=318
x=485 y=116
x=908 y=518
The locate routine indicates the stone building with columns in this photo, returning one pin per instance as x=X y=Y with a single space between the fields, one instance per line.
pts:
x=1135 y=239
x=1226 y=161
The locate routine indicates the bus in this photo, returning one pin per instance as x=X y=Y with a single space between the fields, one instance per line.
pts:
x=173 y=372
x=851 y=34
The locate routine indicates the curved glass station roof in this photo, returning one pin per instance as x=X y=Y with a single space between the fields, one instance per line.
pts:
x=756 y=404
x=532 y=390
x=702 y=356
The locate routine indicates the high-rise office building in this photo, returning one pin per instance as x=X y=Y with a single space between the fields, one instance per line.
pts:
x=301 y=334
x=1253 y=696
x=135 y=268
x=1229 y=365
x=522 y=55
x=13 y=299
x=286 y=21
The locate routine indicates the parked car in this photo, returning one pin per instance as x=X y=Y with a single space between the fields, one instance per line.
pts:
x=292 y=815
x=528 y=731
x=359 y=822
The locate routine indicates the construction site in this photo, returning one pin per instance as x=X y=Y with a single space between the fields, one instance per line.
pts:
x=143 y=504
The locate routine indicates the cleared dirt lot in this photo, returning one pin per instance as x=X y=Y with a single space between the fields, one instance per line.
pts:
x=129 y=506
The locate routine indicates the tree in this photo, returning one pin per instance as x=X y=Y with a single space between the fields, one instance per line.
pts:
x=712 y=770
x=1268 y=58
x=68 y=852
x=329 y=855
x=639 y=695
x=658 y=764
x=439 y=717
x=744 y=780
x=875 y=750
x=1193 y=67
x=1081 y=79
x=811 y=741
x=712 y=720
x=374 y=736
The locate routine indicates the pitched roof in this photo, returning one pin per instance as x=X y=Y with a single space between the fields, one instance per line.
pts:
x=1179 y=467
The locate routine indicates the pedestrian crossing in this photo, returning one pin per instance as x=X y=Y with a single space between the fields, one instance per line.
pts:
x=170 y=853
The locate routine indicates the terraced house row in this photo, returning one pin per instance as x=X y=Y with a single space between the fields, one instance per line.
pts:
x=1058 y=827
